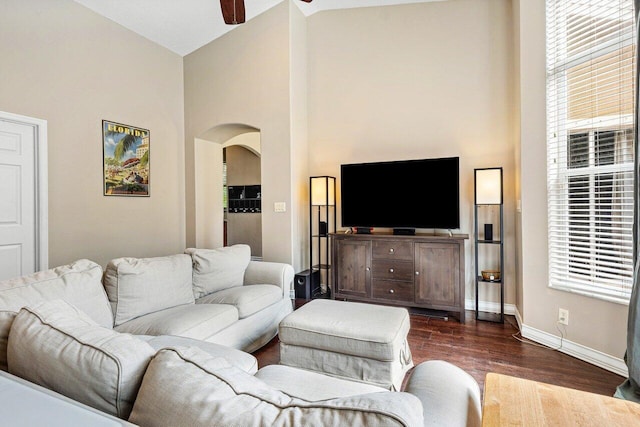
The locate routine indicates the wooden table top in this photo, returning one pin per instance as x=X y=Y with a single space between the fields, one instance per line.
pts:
x=511 y=401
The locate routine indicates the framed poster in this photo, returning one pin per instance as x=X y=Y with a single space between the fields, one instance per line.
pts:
x=125 y=158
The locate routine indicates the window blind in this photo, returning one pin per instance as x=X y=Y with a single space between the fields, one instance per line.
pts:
x=590 y=134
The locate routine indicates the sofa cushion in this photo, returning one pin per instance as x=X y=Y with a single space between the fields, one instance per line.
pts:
x=309 y=385
x=79 y=283
x=57 y=346
x=247 y=299
x=217 y=269
x=188 y=387
x=139 y=286
x=198 y=321
x=238 y=358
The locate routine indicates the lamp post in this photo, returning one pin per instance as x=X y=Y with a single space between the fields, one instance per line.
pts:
x=321 y=222
x=488 y=191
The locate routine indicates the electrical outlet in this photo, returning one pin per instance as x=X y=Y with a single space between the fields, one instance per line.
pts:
x=563 y=316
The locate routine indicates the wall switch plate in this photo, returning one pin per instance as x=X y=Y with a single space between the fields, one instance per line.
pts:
x=563 y=316
x=280 y=207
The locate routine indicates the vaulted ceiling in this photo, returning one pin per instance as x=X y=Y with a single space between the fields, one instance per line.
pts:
x=183 y=26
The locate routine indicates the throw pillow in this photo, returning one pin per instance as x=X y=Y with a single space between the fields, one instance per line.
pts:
x=139 y=286
x=57 y=346
x=79 y=283
x=218 y=269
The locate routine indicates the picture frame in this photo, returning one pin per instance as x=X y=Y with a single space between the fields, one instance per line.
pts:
x=125 y=160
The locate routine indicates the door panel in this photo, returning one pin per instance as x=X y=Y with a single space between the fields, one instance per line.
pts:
x=437 y=274
x=17 y=199
x=353 y=266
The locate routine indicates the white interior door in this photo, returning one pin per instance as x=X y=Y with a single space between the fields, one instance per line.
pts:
x=20 y=202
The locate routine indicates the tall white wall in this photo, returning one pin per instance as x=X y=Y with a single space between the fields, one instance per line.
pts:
x=417 y=81
x=243 y=77
x=65 y=64
x=598 y=326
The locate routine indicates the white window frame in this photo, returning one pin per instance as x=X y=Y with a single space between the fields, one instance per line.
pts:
x=559 y=173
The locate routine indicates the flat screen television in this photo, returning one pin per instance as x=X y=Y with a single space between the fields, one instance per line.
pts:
x=403 y=195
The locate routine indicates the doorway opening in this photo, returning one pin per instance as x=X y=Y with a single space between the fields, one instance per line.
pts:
x=228 y=188
x=23 y=191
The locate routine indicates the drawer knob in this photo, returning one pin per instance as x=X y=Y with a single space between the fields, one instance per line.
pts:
x=368 y=269
x=391 y=270
x=417 y=273
x=391 y=291
x=391 y=250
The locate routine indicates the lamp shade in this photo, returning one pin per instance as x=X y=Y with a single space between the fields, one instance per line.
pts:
x=488 y=186
x=323 y=191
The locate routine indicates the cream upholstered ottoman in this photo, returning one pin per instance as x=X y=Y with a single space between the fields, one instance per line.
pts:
x=362 y=342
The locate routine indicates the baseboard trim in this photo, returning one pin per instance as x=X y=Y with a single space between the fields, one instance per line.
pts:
x=589 y=355
x=579 y=351
x=491 y=307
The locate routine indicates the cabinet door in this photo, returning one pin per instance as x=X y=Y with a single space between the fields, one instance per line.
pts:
x=353 y=268
x=437 y=275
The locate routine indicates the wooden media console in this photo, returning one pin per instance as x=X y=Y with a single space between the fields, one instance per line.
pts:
x=422 y=270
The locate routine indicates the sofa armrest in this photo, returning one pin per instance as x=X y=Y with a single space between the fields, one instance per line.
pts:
x=32 y=404
x=270 y=273
x=449 y=395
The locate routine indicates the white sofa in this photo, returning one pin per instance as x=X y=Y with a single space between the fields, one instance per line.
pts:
x=215 y=296
x=186 y=387
x=55 y=345
x=59 y=330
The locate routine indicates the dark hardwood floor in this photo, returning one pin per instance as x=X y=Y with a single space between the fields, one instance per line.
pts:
x=482 y=347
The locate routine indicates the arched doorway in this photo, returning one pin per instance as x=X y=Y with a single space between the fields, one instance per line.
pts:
x=242 y=176
x=209 y=151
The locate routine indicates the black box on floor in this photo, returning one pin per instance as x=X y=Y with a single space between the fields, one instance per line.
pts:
x=307 y=284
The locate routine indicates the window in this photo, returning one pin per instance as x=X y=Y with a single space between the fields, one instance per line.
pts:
x=590 y=134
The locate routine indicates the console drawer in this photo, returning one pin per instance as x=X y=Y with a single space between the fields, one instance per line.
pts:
x=392 y=270
x=393 y=290
x=392 y=249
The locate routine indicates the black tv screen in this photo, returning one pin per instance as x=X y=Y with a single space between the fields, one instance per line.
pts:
x=401 y=194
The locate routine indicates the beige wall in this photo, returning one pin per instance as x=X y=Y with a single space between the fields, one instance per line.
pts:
x=209 y=194
x=243 y=77
x=517 y=129
x=299 y=138
x=417 y=81
x=594 y=324
x=69 y=66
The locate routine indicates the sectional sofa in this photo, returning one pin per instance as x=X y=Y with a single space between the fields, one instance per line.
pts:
x=158 y=342
x=212 y=295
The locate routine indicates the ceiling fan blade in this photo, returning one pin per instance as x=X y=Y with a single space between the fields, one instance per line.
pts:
x=232 y=11
x=307 y=1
